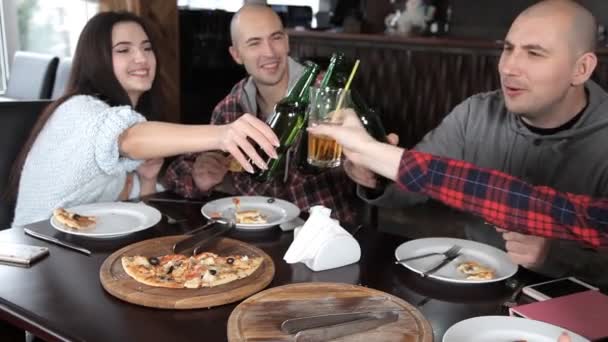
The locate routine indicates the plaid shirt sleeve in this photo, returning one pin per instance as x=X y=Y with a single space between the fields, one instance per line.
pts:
x=506 y=201
x=178 y=176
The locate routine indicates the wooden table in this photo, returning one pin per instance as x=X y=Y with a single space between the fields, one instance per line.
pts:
x=61 y=298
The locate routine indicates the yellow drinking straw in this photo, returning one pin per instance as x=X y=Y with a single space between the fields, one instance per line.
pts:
x=347 y=86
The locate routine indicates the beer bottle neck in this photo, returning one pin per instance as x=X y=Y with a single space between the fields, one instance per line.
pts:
x=337 y=72
x=299 y=92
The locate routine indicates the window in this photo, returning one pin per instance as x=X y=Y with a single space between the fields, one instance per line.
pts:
x=226 y=5
x=43 y=26
x=234 y=5
x=3 y=54
x=52 y=26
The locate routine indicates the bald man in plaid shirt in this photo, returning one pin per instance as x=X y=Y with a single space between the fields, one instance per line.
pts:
x=260 y=43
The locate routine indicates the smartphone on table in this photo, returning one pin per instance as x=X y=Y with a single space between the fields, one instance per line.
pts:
x=557 y=288
x=21 y=255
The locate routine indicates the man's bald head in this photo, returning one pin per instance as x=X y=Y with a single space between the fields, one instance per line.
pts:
x=578 y=22
x=261 y=45
x=249 y=13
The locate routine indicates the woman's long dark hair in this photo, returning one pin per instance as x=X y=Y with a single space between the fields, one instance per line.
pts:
x=92 y=73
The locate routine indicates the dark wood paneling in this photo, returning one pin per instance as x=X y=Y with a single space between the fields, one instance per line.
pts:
x=415 y=82
x=491 y=19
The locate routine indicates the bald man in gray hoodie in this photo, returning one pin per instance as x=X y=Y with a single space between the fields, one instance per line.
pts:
x=548 y=125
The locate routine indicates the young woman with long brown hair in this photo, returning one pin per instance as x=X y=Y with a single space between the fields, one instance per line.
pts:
x=86 y=145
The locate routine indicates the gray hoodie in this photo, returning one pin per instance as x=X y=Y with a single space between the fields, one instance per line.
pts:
x=482 y=131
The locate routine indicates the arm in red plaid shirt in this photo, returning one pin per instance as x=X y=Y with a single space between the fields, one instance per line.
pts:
x=506 y=201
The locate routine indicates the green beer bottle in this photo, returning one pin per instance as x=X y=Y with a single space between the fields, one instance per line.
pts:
x=288 y=120
x=370 y=120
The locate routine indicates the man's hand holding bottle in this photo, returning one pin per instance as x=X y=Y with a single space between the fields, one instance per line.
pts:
x=209 y=169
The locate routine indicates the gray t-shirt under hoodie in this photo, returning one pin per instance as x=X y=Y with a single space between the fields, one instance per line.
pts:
x=482 y=131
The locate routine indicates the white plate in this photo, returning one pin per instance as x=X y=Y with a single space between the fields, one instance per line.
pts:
x=471 y=251
x=505 y=329
x=276 y=210
x=114 y=219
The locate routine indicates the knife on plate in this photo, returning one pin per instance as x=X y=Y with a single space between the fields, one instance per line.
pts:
x=204 y=236
x=325 y=333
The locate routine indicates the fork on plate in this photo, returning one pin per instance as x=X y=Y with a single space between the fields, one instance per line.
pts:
x=452 y=250
x=449 y=255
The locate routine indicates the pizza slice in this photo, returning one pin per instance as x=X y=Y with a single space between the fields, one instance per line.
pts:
x=481 y=276
x=237 y=203
x=475 y=271
x=73 y=220
x=250 y=217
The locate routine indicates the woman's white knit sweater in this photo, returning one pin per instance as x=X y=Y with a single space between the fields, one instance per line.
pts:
x=75 y=159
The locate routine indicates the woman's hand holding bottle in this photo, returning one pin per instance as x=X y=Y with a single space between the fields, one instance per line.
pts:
x=234 y=140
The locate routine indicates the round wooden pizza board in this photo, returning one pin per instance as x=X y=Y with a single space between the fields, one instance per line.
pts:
x=119 y=284
x=259 y=317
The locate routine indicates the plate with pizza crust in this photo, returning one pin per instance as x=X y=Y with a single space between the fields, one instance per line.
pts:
x=112 y=219
x=477 y=263
x=249 y=209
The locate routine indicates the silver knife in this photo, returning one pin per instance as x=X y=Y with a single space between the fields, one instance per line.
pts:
x=56 y=241
x=344 y=329
x=440 y=266
x=209 y=232
x=293 y=325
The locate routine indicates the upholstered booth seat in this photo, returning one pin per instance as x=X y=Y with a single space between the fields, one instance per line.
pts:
x=31 y=76
x=16 y=121
x=62 y=76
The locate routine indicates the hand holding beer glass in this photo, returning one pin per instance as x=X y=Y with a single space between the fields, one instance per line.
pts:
x=325 y=108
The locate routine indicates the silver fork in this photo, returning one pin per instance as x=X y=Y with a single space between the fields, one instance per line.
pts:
x=453 y=249
x=450 y=255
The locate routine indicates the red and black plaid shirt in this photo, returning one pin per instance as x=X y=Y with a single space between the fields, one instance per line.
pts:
x=331 y=188
x=504 y=200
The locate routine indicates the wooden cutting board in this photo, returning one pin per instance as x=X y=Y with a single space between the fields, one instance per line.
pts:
x=259 y=317
x=118 y=283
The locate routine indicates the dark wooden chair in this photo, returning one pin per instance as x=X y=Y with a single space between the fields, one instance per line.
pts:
x=16 y=121
x=61 y=77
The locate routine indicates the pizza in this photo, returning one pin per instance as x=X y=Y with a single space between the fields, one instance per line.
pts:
x=181 y=271
x=237 y=203
x=252 y=216
x=73 y=220
x=475 y=271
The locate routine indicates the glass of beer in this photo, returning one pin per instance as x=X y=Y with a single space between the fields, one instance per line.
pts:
x=324 y=151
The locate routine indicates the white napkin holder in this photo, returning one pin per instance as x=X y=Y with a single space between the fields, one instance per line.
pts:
x=336 y=252
x=338 y=249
